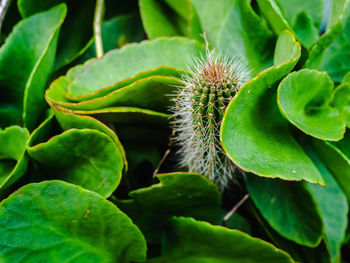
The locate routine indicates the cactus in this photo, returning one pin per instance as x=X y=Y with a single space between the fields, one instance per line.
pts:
x=199 y=108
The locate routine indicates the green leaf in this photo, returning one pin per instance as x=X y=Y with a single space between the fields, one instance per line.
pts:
x=336 y=9
x=117 y=32
x=13 y=160
x=254 y=134
x=76 y=35
x=58 y=88
x=61 y=222
x=149 y=93
x=306 y=31
x=333 y=207
x=304 y=98
x=273 y=15
x=190 y=241
x=68 y=120
x=336 y=157
x=87 y=157
x=233 y=27
x=302 y=17
x=179 y=194
x=288 y=207
x=291 y=9
x=26 y=61
x=331 y=52
x=341 y=101
x=130 y=60
x=246 y=35
x=169 y=18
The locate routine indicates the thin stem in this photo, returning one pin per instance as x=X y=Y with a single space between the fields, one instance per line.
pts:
x=161 y=162
x=3 y=8
x=234 y=209
x=99 y=10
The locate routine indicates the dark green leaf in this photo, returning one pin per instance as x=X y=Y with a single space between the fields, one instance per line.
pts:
x=76 y=35
x=61 y=222
x=13 y=160
x=26 y=61
x=130 y=60
x=336 y=157
x=169 y=18
x=190 y=241
x=333 y=207
x=179 y=194
x=87 y=157
x=253 y=133
x=341 y=101
x=288 y=207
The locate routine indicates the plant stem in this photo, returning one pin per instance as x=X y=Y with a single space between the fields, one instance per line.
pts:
x=3 y=8
x=99 y=10
x=234 y=209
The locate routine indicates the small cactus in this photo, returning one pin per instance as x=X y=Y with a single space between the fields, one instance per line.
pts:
x=199 y=108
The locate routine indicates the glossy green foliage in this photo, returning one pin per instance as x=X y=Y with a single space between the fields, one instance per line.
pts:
x=106 y=128
x=331 y=52
x=304 y=98
x=13 y=160
x=31 y=47
x=138 y=57
x=333 y=207
x=303 y=17
x=170 y=18
x=61 y=221
x=195 y=241
x=233 y=27
x=189 y=194
x=76 y=30
x=298 y=218
x=254 y=113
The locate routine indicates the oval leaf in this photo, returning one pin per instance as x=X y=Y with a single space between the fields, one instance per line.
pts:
x=87 y=157
x=130 y=60
x=254 y=134
x=26 y=61
x=61 y=221
x=215 y=244
x=304 y=98
x=288 y=207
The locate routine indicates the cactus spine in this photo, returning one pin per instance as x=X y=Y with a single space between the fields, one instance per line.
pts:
x=199 y=108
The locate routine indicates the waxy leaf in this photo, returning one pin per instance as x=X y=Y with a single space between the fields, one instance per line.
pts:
x=149 y=92
x=336 y=157
x=333 y=206
x=54 y=221
x=288 y=207
x=191 y=241
x=179 y=194
x=169 y=18
x=331 y=52
x=117 y=32
x=130 y=60
x=254 y=134
x=304 y=98
x=86 y=157
x=302 y=17
x=13 y=160
x=234 y=28
x=341 y=101
x=26 y=61
x=67 y=120
x=76 y=33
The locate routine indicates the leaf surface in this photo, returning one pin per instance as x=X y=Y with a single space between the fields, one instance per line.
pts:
x=62 y=222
